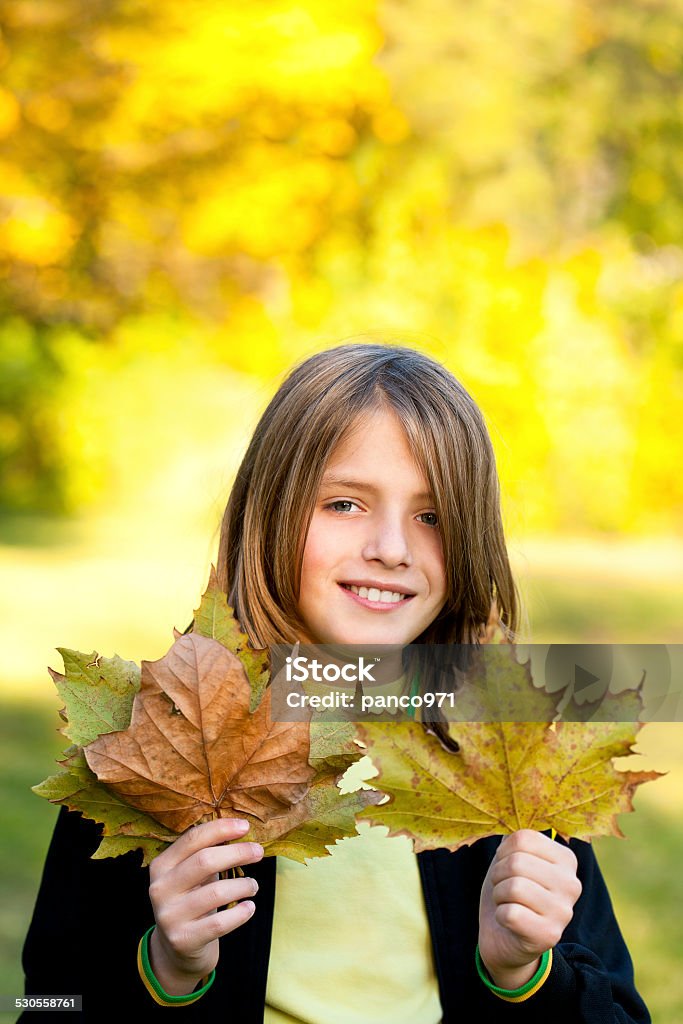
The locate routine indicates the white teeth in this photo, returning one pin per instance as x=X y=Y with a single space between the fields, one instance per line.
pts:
x=373 y=594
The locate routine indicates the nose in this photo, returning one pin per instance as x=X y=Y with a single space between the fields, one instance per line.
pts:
x=387 y=541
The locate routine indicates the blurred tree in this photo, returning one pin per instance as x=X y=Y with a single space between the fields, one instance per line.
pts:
x=261 y=180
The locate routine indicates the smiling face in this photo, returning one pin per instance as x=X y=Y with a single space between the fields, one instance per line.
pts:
x=373 y=568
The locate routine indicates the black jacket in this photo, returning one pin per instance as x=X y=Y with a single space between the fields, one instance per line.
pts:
x=90 y=915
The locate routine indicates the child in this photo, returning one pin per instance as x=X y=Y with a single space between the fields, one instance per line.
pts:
x=370 y=468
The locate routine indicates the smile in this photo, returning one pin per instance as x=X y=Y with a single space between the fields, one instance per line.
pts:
x=371 y=597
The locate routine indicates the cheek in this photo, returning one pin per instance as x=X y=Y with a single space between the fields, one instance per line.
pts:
x=316 y=551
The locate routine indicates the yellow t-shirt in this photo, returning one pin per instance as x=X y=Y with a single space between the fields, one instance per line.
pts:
x=351 y=941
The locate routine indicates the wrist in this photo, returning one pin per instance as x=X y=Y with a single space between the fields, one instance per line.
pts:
x=172 y=979
x=521 y=992
x=511 y=977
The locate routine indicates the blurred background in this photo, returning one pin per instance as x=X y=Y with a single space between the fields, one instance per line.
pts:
x=192 y=199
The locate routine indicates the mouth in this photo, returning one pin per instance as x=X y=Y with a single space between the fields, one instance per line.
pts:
x=374 y=597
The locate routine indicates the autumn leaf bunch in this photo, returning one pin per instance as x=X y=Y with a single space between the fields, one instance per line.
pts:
x=189 y=737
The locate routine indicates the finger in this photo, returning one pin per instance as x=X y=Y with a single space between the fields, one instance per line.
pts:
x=206 y=862
x=211 y=927
x=208 y=833
x=525 y=892
x=209 y=897
x=536 y=932
x=526 y=840
x=525 y=865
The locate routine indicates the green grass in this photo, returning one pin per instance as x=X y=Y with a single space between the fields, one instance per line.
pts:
x=643 y=874
x=29 y=745
x=585 y=611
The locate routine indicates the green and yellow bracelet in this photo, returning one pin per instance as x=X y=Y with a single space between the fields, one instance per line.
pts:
x=152 y=985
x=516 y=995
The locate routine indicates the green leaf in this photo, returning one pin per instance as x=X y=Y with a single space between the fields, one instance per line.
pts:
x=97 y=692
x=333 y=746
x=115 y=846
x=78 y=789
x=216 y=620
x=327 y=815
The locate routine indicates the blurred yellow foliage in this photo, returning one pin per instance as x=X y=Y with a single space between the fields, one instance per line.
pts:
x=36 y=232
x=9 y=112
x=239 y=186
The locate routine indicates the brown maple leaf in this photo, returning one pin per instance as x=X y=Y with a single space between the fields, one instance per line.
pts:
x=193 y=751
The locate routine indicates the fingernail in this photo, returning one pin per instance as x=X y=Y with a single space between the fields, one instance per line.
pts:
x=250 y=904
x=257 y=848
x=241 y=824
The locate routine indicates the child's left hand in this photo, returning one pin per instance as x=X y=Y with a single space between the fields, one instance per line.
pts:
x=527 y=900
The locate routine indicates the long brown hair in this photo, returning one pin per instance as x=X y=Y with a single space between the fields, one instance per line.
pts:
x=266 y=520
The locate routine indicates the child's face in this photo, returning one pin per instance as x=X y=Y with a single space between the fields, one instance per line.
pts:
x=379 y=532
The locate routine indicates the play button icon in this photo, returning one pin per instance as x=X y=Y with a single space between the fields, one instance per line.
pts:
x=583 y=678
x=586 y=669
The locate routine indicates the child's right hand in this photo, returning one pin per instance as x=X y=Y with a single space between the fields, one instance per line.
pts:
x=185 y=891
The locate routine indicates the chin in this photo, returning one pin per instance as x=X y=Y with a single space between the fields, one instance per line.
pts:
x=372 y=637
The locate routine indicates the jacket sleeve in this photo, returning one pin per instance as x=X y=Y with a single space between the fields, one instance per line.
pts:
x=87 y=921
x=89 y=917
x=591 y=980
